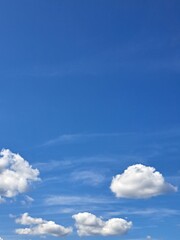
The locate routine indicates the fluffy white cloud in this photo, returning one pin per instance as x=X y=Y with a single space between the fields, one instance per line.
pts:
x=139 y=181
x=15 y=174
x=88 y=224
x=39 y=226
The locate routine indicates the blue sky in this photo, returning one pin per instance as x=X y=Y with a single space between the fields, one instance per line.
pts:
x=88 y=89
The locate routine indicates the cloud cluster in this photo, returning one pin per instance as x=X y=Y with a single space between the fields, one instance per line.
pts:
x=15 y=174
x=139 y=181
x=39 y=226
x=88 y=224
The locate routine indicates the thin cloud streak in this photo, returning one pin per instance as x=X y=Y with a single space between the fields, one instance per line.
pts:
x=75 y=200
x=81 y=137
x=73 y=138
x=74 y=162
x=88 y=177
x=161 y=212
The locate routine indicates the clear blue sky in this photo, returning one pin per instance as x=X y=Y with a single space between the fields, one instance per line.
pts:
x=88 y=88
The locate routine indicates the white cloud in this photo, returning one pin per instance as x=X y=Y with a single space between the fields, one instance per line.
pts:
x=88 y=224
x=139 y=181
x=25 y=219
x=16 y=174
x=39 y=226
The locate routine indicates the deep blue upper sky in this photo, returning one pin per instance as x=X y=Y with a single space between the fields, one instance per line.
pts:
x=106 y=75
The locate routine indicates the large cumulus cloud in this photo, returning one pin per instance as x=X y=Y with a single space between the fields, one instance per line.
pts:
x=88 y=224
x=139 y=181
x=41 y=227
x=15 y=174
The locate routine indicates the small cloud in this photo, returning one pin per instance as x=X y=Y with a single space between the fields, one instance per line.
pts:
x=16 y=175
x=88 y=224
x=41 y=227
x=139 y=181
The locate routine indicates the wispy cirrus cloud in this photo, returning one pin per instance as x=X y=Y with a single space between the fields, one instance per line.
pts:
x=88 y=177
x=78 y=137
x=72 y=162
x=76 y=200
x=160 y=212
x=27 y=201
